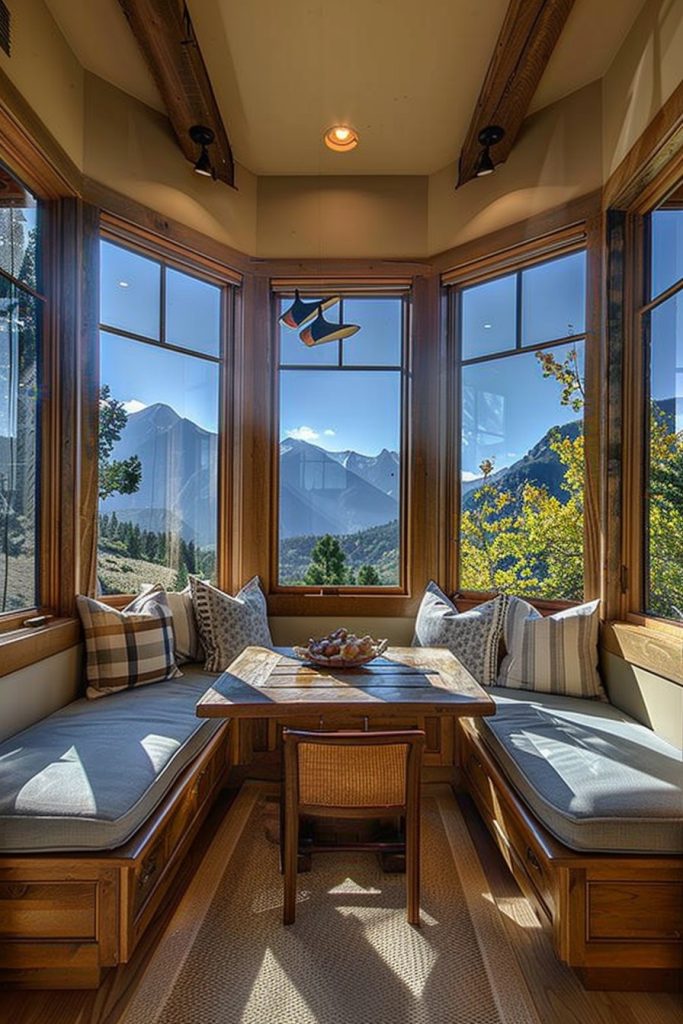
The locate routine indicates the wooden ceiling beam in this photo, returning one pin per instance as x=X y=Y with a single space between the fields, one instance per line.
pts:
x=164 y=33
x=530 y=31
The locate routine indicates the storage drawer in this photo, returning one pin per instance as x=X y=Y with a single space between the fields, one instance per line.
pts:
x=56 y=910
x=635 y=910
x=147 y=873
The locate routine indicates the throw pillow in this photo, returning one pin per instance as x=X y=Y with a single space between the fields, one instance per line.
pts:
x=555 y=654
x=473 y=636
x=229 y=624
x=188 y=646
x=127 y=648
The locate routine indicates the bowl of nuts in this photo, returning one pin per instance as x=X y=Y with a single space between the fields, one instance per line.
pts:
x=341 y=649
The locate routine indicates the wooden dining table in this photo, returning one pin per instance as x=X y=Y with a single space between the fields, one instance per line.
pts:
x=263 y=683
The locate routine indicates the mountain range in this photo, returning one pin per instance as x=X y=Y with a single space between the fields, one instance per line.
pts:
x=340 y=493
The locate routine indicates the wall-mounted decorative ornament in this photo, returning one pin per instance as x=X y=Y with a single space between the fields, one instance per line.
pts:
x=321 y=330
x=302 y=312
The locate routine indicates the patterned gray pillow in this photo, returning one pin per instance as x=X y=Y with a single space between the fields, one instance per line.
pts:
x=229 y=624
x=473 y=636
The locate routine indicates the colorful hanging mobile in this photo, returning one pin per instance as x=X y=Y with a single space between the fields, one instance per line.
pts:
x=319 y=330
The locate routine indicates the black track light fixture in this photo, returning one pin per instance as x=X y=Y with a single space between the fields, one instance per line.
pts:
x=488 y=137
x=203 y=136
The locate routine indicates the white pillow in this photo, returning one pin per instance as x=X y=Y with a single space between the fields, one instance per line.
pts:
x=553 y=654
x=229 y=624
x=188 y=646
x=473 y=636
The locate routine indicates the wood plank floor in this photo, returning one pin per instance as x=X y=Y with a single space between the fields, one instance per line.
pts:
x=559 y=996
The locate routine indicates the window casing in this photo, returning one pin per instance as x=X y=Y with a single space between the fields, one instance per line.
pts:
x=342 y=452
x=21 y=366
x=660 y=328
x=163 y=350
x=518 y=350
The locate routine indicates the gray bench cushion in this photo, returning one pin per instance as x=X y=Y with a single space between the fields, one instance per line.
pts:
x=88 y=776
x=597 y=779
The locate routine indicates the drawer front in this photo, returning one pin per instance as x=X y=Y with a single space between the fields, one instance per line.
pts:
x=635 y=910
x=477 y=777
x=54 y=910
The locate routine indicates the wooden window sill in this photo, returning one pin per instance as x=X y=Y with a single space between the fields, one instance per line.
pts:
x=25 y=646
x=655 y=649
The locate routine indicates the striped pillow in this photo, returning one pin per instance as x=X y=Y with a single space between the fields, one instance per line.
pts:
x=127 y=648
x=229 y=624
x=188 y=646
x=555 y=654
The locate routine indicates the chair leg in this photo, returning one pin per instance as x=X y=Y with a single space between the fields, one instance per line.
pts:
x=291 y=847
x=413 y=870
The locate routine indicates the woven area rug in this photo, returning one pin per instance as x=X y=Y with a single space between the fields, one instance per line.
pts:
x=351 y=957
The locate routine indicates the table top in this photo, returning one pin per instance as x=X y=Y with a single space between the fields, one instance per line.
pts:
x=264 y=683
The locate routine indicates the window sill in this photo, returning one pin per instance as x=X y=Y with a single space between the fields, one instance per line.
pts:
x=25 y=646
x=359 y=604
x=643 y=644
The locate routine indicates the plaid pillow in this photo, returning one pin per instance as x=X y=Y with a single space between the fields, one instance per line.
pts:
x=127 y=648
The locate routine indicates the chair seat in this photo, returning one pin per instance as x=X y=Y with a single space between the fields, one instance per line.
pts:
x=597 y=779
x=89 y=775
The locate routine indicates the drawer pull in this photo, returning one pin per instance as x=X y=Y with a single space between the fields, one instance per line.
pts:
x=532 y=859
x=147 y=873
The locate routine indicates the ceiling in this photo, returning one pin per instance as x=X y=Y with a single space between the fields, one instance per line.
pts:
x=405 y=74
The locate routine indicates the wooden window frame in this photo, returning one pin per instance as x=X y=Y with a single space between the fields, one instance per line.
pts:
x=278 y=590
x=170 y=254
x=630 y=600
x=584 y=236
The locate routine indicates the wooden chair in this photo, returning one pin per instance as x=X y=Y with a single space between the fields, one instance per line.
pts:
x=353 y=775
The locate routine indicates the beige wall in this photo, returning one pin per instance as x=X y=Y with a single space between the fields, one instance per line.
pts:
x=556 y=158
x=642 y=77
x=36 y=691
x=46 y=73
x=130 y=147
x=319 y=217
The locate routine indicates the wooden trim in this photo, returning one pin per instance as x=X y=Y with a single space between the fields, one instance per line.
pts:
x=592 y=413
x=88 y=383
x=654 y=162
x=564 y=223
x=163 y=30
x=530 y=31
x=23 y=647
x=145 y=226
x=30 y=151
x=649 y=647
x=314 y=285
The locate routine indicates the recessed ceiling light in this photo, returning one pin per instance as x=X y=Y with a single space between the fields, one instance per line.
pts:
x=487 y=327
x=123 y=284
x=341 y=138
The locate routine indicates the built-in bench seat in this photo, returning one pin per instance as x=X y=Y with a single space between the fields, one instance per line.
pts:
x=595 y=778
x=89 y=776
x=99 y=803
x=586 y=805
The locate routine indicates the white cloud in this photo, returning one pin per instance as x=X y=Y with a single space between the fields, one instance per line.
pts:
x=303 y=434
x=511 y=455
x=329 y=432
x=134 y=406
x=466 y=475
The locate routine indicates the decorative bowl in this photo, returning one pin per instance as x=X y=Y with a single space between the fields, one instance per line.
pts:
x=345 y=650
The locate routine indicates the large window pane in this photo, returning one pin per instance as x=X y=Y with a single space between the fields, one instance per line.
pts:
x=19 y=331
x=193 y=313
x=664 y=521
x=378 y=343
x=158 y=466
x=667 y=250
x=522 y=474
x=489 y=317
x=130 y=291
x=339 y=475
x=554 y=299
x=18 y=230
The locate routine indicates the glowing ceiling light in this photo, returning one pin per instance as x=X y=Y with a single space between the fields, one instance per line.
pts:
x=341 y=138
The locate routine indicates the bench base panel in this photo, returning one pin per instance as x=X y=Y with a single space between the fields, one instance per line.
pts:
x=616 y=919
